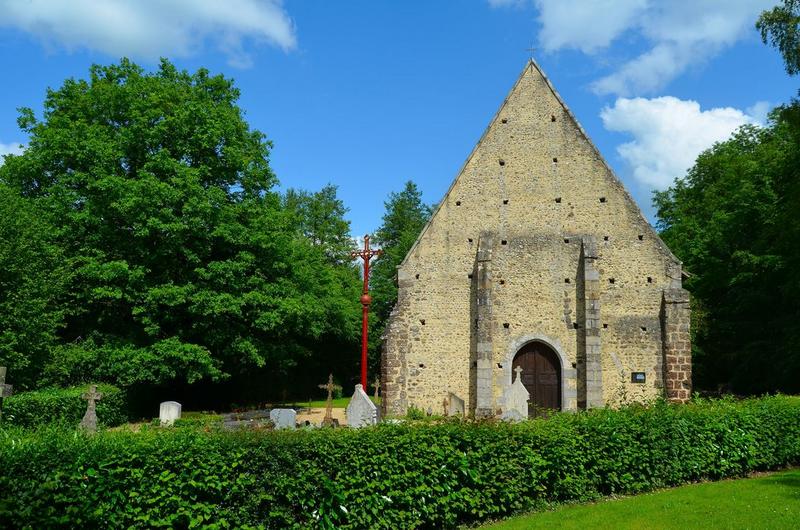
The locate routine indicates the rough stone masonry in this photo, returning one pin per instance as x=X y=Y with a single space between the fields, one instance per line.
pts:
x=536 y=257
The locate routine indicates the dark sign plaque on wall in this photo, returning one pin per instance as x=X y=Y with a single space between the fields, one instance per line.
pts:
x=638 y=377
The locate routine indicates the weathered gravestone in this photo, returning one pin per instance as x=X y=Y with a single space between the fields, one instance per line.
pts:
x=5 y=390
x=89 y=421
x=168 y=412
x=328 y=420
x=516 y=399
x=283 y=418
x=361 y=411
x=455 y=405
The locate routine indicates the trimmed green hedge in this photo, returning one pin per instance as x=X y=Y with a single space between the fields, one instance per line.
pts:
x=391 y=476
x=64 y=406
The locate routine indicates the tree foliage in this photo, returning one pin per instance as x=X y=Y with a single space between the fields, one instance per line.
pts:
x=32 y=279
x=780 y=27
x=184 y=263
x=733 y=222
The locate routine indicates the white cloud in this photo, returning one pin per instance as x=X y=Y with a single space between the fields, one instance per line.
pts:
x=149 y=29
x=586 y=26
x=677 y=34
x=668 y=133
x=9 y=149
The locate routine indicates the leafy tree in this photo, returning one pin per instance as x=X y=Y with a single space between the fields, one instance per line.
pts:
x=320 y=217
x=404 y=218
x=183 y=263
x=32 y=279
x=780 y=27
x=732 y=221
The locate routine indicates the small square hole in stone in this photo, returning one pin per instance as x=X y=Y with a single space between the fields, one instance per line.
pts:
x=469 y=275
x=422 y=321
x=421 y=365
x=499 y=365
x=504 y=120
x=458 y=203
x=611 y=280
x=576 y=325
x=649 y=279
x=605 y=326
x=505 y=201
x=416 y=276
x=502 y=282
x=605 y=238
x=504 y=242
x=552 y=117
x=602 y=199
x=502 y=162
x=641 y=237
x=644 y=328
x=469 y=240
x=566 y=240
x=566 y=280
x=506 y=325
x=558 y=199
x=555 y=159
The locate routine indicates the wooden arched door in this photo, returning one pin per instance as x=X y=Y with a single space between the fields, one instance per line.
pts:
x=541 y=375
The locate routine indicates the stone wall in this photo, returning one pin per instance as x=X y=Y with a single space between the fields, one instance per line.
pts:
x=535 y=240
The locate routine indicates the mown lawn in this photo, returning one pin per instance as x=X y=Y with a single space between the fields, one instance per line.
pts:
x=766 y=502
x=338 y=403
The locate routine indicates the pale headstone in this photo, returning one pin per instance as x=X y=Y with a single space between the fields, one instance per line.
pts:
x=168 y=412
x=5 y=389
x=455 y=406
x=516 y=399
x=361 y=411
x=89 y=421
x=283 y=418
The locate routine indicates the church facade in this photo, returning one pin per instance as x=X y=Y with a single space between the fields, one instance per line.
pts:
x=537 y=261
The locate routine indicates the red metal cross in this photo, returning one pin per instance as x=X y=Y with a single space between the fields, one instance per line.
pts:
x=366 y=254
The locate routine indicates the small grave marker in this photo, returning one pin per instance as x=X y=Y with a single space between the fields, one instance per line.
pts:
x=89 y=421
x=5 y=390
x=361 y=411
x=455 y=405
x=328 y=421
x=283 y=418
x=168 y=412
x=516 y=399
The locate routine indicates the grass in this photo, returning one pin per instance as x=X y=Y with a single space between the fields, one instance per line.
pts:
x=765 y=502
x=338 y=403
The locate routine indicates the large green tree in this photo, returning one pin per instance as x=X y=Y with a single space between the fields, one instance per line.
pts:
x=183 y=263
x=404 y=218
x=733 y=221
x=32 y=279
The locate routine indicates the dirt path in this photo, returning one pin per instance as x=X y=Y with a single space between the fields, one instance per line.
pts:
x=315 y=415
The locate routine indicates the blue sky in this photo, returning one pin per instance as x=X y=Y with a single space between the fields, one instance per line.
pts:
x=368 y=94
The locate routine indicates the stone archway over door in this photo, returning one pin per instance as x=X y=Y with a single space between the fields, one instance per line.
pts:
x=541 y=375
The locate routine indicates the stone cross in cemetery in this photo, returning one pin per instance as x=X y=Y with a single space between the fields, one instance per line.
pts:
x=5 y=390
x=330 y=387
x=376 y=385
x=515 y=406
x=89 y=421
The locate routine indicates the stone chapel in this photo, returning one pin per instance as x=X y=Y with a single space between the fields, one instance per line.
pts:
x=538 y=258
